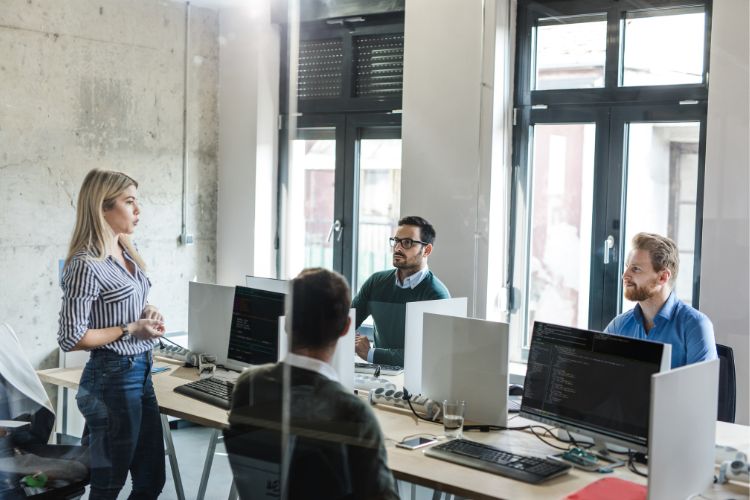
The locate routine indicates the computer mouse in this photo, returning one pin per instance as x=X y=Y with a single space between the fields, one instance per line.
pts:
x=515 y=390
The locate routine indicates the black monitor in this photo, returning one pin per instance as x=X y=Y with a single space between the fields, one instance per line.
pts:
x=593 y=383
x=254 y=334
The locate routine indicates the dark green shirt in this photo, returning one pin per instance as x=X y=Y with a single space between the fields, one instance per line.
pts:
x=382 y=299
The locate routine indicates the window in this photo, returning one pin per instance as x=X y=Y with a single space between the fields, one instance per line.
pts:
x=340 y=152
x=609 y=140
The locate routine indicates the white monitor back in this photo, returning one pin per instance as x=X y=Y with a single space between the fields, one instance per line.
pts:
x=267 y=284
x=210 y=319
x=343 y=357
x=413 y=333
x=682 y=431
x=467 y=359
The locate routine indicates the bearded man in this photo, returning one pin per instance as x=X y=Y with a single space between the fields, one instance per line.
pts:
x=385 y=294
x=650 y=273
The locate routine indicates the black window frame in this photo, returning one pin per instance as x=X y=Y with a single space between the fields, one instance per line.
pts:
x=664 y=102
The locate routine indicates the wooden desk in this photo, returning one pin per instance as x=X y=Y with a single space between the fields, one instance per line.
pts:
x=412 y=465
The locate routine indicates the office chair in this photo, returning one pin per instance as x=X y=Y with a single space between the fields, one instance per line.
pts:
x=23 y=399
x=727 y=384
x=315 y=468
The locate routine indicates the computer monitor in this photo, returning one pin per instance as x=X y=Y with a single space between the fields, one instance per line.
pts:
x=593 y=383
x=210 y=319
x=269 y=284
x=254 y=333
x=467 y=359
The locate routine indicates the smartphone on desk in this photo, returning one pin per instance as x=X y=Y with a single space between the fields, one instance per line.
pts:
x=417 y=442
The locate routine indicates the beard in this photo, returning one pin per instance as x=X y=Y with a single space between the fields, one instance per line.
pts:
x=640 y=293
x=407 y=263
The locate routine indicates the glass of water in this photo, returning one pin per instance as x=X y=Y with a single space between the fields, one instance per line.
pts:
x=453 y=418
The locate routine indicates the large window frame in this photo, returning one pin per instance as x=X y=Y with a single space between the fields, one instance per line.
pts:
x=611 y=107
x=353 y=118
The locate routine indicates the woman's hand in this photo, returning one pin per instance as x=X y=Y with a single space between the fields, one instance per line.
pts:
x=151 y=312
x=146 y=329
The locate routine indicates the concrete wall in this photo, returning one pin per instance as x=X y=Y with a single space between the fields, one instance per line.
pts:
x=725 y=268
x=87 y=84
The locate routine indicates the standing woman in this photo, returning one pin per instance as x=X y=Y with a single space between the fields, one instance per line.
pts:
x=104 y=310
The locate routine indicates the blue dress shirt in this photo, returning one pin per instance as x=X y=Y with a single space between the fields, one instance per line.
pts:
x=688 y=330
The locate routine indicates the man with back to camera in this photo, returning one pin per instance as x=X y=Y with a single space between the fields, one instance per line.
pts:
x=659 y=315
x=338 y=446
x=384 y=295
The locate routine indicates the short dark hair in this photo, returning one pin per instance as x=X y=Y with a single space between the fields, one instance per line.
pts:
x=426 y=231
x=320 y=307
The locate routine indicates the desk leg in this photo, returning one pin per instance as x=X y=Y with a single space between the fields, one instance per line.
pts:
x=233 y=491
x=172 y=457
x=207 y=464
x=64 y=411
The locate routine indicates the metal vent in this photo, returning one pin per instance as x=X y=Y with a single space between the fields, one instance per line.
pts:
x=379 y=65
x=320 y=71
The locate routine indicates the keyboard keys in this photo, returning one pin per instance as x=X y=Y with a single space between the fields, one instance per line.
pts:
x=215 y=391
x=491 y=459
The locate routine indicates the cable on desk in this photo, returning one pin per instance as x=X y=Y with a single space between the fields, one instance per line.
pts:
x=419 y=434
x=407 y=397
x=540 y=438
x=631 y=466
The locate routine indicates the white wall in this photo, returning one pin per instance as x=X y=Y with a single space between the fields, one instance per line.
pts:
x=248 y=105
x=446 y=154
x=725 y=269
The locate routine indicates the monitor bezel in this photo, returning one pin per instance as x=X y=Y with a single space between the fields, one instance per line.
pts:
x=234 y=363
x=598 y=434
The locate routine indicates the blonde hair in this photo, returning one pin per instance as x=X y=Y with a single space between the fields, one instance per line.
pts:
x=92 y=233
x=662 y=250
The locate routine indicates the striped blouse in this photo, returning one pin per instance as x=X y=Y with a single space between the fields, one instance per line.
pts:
x=102 y=294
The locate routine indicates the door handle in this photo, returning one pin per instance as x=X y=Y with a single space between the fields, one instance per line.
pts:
x=609 y=244
x=337 y=227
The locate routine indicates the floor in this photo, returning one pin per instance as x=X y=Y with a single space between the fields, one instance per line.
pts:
x=191 y=443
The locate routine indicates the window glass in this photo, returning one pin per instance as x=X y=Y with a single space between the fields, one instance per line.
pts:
x=560 y=233
x=379 y=204
x=662 y=187
x=663 y=49
x=312 y=165
x=570 y=52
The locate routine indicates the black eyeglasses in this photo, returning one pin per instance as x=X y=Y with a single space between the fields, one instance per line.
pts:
x=406 y=243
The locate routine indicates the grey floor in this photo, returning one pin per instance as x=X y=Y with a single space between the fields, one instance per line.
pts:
x=191 y=444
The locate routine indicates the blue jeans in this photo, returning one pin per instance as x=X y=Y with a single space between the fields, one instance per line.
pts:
x=116 y=397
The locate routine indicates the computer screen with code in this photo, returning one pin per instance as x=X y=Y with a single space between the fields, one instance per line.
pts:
x=254 y=335
x=591 y=382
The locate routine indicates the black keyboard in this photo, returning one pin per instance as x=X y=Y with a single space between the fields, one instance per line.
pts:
x=514 y=405
x=212 y=390
x=371 y=368
x=490 y=459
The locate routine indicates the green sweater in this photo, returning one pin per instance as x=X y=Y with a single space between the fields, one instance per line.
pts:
x=386 y=303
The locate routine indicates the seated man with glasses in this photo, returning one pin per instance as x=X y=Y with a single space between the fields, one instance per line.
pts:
x=384 y=295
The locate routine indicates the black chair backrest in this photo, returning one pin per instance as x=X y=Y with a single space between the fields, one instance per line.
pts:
x=315 y=468
x=727 y=384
